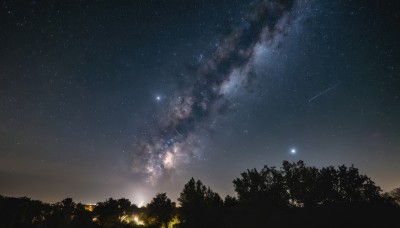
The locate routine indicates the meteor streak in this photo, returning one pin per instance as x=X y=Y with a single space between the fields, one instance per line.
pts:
x=325 y=91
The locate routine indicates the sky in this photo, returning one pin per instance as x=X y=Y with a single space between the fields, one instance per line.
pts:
x=106 y=98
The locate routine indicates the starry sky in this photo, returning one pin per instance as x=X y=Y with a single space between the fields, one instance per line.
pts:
x=127 y=99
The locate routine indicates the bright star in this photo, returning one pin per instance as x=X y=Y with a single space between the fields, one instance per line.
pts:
x=293 y=151
x=158 y=98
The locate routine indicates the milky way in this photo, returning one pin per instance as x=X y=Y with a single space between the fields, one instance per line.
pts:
x=204 y=95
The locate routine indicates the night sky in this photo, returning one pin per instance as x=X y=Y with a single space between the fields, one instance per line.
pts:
x=127 y=99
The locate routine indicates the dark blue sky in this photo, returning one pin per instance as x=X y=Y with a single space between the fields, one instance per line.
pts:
x=106 y=99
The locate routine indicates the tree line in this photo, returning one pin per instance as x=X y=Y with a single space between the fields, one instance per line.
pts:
x=294 y=194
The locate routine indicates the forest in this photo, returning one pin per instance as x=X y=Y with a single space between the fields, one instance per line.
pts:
x=293 y=195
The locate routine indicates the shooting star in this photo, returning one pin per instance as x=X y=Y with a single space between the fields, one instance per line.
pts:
x=325 y=91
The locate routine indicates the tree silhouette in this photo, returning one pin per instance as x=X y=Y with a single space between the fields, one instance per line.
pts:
x=161 y=208
x=302 y=183
x=22 y=212
x=296 y=185
x=111 y=212
x=200 y=206
x=262 y=189
x=395 y=194
x=62 y=213
x=68 y=214
x=230 y=202
x=353 y=187
x=293 y=195
x=311 y=187
x=82 y=217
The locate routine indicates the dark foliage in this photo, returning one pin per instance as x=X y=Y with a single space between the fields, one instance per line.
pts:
x=294 y=195
x=111 y=213
x=200 y=206
x=395 y=195
x=24 y=212
x=161 y=208
x=298 y=194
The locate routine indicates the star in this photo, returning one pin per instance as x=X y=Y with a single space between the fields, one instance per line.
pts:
x=158 y=98
x=293 y=151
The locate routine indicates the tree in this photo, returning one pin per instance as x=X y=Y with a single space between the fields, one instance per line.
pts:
x=22 y=212
x=200 y=206
x=311 y=187
x=230 y=202
x=395 y=194
x=353 y=187
x=262 y=189
x=296 y=184
x=266 y=195
x=327 y=186
x=62 y=213
x=82 y=217
x=110 y=212
x=161 y=208
x=302 y=183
